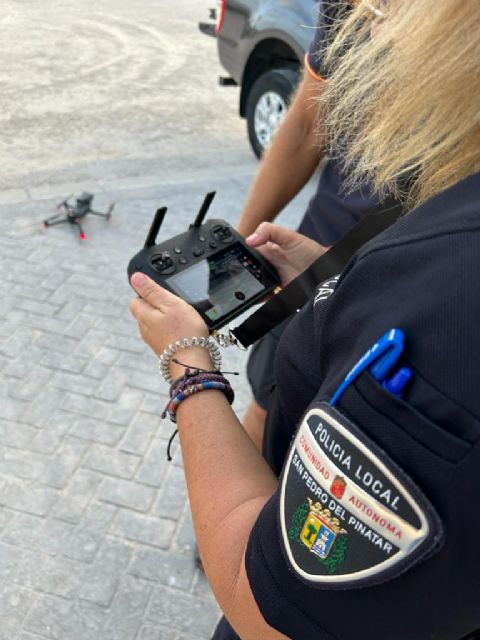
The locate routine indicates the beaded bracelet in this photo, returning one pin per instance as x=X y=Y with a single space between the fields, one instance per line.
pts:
x=208 y=343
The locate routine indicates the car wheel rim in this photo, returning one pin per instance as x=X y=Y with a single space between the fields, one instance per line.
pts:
x=269 y=112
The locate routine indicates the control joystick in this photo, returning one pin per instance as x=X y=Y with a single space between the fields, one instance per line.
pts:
x=163 y=263
x=222 y=233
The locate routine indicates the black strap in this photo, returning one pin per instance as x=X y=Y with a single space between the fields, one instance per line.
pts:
x=330 y=264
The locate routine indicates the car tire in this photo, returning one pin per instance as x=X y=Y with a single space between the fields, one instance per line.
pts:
x=267 y=104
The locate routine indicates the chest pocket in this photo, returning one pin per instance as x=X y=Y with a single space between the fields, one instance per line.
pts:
x=396 y=424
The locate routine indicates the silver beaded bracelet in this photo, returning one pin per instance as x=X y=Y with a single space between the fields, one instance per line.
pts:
x=208 y=343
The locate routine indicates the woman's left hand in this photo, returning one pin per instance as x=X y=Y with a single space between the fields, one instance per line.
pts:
x=163 y=318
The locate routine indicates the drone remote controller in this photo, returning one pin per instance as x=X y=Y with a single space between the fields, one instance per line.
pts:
x=210 y=266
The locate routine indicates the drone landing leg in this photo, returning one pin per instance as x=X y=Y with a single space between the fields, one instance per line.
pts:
x=80 y=229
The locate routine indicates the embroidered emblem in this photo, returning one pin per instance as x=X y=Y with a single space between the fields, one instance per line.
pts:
x=338 y=486
x=323 y=535
x=349 y=515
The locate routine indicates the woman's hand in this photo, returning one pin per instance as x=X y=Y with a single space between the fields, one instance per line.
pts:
x=163 y=318
x=289 y=252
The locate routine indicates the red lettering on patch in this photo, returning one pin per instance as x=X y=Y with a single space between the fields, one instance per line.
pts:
x=373 y=515
x=317 y=463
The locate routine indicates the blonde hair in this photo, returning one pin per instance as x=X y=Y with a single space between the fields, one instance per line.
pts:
x=403 y=101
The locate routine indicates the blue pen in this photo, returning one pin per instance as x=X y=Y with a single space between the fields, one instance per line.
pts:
x=379 y=359
x=397 y=383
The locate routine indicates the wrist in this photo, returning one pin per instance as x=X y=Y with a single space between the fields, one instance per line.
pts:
x=194 y=357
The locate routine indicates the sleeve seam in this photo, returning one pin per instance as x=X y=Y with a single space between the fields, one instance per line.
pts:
x=311 y=71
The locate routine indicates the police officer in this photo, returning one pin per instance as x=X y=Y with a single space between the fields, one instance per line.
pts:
x=292 y=159
x=371 y=531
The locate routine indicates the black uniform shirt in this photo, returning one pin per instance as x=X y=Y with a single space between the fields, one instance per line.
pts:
x=420 y=276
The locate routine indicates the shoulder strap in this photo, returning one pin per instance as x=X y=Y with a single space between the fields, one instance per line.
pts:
x=330 y=264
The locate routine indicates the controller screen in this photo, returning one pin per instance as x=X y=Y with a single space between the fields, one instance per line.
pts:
x=219 y=284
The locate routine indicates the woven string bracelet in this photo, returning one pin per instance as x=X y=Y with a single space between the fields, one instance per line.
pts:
x=191 y=383
x=208 y=343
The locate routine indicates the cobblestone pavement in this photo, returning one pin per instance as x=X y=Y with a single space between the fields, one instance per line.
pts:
x=96 y=539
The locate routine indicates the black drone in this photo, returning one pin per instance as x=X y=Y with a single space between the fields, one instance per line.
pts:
x=73 y=213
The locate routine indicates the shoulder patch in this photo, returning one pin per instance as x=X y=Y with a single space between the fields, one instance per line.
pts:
x=349 y=515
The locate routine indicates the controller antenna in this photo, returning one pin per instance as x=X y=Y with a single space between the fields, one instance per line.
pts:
x=155 y=228
x=203 y=210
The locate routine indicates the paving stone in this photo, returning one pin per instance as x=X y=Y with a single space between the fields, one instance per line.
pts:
x=86 y=406
x=59 y=576
x=60 y=422
x=140 y=433
x=25 y=496
x=64 y=362
x=56 y=343
x=32 y=384
x=157 y=532
x=124 y=343
x=76 y=383
x=112 y=462
x=97 y=430
x=43 y=409
x=73 y=502
x=155 y=403
x=59 y=619
x=102 y=578
x=126 y=494
x=14 y=603
x=33 y=532
x=112 y=385
x=79 y=326
x=44 y=442
x=91 y=343
x=184 y=541
x=147 y=381
x=168 y=568
x=123 y=411
x=22 y=464
x=84 y=542
x=156 y=633
x=172 y=495
x=155 y=465
x=127 y=609
x=184 y=612
x=13 y=434
x=42 y=308
x=65 y=462
x=16 y=344
x=101 y=512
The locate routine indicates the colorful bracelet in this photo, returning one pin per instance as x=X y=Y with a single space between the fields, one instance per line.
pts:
x=194 y=384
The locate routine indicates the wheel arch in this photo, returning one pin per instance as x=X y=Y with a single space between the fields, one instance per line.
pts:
x=270 y=53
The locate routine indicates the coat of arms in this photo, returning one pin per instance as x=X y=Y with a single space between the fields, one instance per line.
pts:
x=320 y=530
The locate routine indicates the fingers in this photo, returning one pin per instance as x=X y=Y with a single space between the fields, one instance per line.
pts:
x=273 y=253
x=150 y=291
x=268 y=232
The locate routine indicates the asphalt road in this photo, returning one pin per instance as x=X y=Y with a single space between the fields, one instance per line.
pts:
x=111 y=90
